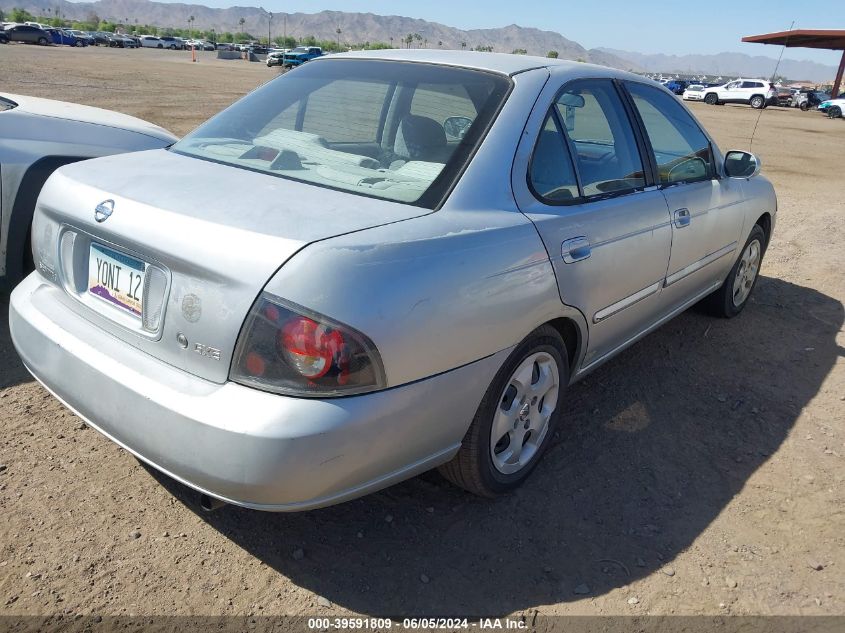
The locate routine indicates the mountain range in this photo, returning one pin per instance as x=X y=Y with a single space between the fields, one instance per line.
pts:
x=367 y=27
x=727 y=65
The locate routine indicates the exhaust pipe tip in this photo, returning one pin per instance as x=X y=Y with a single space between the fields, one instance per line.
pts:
x=210 y=504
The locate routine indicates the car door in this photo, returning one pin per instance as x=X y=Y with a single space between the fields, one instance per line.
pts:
x=732 y=92
x=707 y=211
x=603 y=223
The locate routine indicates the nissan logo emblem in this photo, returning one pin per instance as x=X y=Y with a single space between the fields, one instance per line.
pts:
x=103 y=211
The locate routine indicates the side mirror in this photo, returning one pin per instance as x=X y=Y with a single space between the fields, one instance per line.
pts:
x=571 y=100
x=740 y=164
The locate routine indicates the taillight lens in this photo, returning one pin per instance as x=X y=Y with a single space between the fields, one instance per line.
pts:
x=286 y=349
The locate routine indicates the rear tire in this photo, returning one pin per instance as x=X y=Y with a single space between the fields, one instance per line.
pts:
x=711 y=98
x=732 y=296
x=757 y=102
x=516 y=419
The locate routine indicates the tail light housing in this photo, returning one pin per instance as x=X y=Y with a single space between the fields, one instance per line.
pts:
x=287 y=349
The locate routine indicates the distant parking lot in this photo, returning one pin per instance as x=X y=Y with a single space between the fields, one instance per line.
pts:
x=700 y=472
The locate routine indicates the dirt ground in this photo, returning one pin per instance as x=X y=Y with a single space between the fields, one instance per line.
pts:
x=700 y=472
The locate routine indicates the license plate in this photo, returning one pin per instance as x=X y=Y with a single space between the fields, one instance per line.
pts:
x=116 y=278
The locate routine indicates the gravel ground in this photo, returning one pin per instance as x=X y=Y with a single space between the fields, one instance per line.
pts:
x=700 y=472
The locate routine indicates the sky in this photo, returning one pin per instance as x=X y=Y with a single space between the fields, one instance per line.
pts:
x=674 y=27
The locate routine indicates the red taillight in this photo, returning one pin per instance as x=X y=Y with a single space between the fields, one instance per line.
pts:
x=287 y=349
x=311 y=347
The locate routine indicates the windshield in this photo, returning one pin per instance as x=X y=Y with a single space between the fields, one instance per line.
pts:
x=394 y=130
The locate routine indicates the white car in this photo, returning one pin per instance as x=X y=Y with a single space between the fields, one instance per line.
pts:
x=758 y=93
x=694 y=92
x=833 y=107
x=150 y=41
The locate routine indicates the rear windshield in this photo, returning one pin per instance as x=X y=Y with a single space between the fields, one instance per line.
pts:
x=394 y=130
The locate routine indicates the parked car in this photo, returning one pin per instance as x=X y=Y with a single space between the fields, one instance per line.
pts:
x=755 y=92
x=783 y=96
x=301 y=54
x=833 y=107
x=275 y=59
x=694 y=92
x=174 y=43
x=36 y=137
x=808 y=99
x=118 y=40
x=225 y=46
x=101 y=38
x=677 y=86
x=65 y=38
x=25 y=33
x=150 y=41
x=89 y=39
x=413 y=281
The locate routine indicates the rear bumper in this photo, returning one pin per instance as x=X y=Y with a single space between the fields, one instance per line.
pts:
x=238 y=444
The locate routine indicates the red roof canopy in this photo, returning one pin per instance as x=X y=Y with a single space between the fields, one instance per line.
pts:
x=833 y=39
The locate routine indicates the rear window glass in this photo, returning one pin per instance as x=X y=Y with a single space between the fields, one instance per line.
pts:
x=393 y=130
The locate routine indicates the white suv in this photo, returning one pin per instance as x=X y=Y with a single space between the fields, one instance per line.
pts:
x=757 y=93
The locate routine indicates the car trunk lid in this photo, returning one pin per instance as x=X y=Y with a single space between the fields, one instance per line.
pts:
x=210 y=235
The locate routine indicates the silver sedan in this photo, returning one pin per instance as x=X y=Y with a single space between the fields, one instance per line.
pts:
x=378 y=264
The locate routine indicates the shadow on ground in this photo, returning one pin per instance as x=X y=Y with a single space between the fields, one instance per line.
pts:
x=656 y=444
x=12 y=371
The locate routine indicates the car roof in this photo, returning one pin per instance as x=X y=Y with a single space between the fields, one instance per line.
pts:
x=503 y=63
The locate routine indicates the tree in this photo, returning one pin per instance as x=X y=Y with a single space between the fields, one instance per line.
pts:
x=408 y=39
x=463 y=44
x=2 y=16
x=519 y=51
x=241 y=24
x=439 y=43
x=552 y=54
x=338 y=31
x=19 y=15
x=191 y=25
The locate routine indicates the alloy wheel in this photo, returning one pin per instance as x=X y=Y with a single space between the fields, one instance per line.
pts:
x=749 y=266
x=526 y=405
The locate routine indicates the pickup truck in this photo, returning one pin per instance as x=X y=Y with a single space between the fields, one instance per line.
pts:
x=300 y=55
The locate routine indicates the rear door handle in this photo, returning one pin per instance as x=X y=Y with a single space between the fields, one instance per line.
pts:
x=681 y=218
x=575 y=249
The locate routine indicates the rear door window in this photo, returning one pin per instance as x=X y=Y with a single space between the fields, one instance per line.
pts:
x=606 y=151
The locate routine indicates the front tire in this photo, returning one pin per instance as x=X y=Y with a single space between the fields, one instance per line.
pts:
x=732 y=296
x=516 y=419
x=711 y=98
x=42 y=41
x=834 y=112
